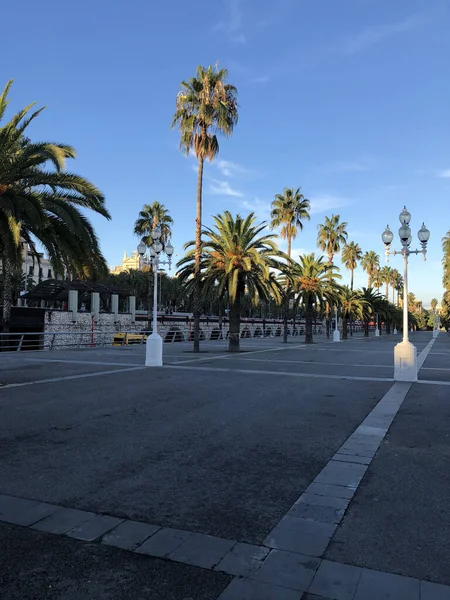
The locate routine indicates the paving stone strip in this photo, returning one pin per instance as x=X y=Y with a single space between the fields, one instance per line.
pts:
x=289 y=564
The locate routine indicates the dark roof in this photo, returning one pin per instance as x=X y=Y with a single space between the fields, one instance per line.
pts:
x=55 y=289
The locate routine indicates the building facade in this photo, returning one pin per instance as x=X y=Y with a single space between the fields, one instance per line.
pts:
x=128 y=262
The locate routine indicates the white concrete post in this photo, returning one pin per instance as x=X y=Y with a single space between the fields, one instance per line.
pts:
x=95 y=305
x=115 y=306
x=132 y=307
x=73 y=304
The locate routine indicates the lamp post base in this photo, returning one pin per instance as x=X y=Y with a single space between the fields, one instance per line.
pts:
x=405 y=362
x=377 y=332
x=336 y=336
x=395 y=331
x=435 y=333
x=154 y=351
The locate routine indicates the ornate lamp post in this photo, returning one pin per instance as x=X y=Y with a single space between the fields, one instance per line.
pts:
x=405 y=353
x=154 y=344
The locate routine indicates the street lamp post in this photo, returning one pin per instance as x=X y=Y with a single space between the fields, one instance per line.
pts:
x=336 y=334
x=405 y=353
x=154 y=344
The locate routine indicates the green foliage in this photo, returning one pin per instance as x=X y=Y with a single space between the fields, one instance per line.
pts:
x=289 y=210
x=149 y=217
x=351 y=256
x=332 y=234
x=370 y=262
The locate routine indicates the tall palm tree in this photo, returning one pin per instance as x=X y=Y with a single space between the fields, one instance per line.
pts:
x=206 y=105
x=386 y=278
x=377 y=279
x=434 y=303
x=445 y=306
x=315 y=287
x=235 y=259
x=370 y=262
x=331 y=236
x=289 y=210
x=40 y=200
x=149 y=217
x=352 y=306
x=351 y=256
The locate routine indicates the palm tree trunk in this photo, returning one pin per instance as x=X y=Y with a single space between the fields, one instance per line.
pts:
x=286 y=303
x=235 y=324
x=7 y=294
x=309 y=313
x=198 y=248
x=344 y=328
x=351 y=280
x=366 y=328
x=387 y=291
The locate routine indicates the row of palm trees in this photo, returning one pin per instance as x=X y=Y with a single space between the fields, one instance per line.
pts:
x=43 y=203
x=206 y=107
x=445 y=312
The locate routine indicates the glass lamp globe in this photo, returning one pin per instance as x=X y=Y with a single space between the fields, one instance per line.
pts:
x=404 y=232
x=141 y=248
x=152 y=252
x=424 y=234
x=387 y=236
x=169 y=249
x=157 y=247
x=405 y=217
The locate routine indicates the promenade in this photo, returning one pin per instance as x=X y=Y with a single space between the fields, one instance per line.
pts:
x=286 y=472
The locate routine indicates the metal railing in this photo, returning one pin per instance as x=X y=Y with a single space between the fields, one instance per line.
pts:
x=63 y=340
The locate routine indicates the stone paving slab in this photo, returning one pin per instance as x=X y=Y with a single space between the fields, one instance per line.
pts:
x=63 y=520
x=94 y=528
x=375 y=585
x=163 y=542
x=288 y=569
x=20 y=511
x=202 y=550
x=129 y=534
x=243 y=560
x=315 y=497
x=314 y=512
x=311 y=544
x=328 y=489
x=246 y=589
x=336 y=581
x=434 y=591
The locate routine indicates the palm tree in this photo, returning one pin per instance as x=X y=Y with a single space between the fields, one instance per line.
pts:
x=351 y=255
x=386 y=278
x=206 y=105
x=289 y=210
x=331 y=236
x=377 y=280
x=352 y=306
x=45 y=204
x=434 y=303
x=314 y=284
x=371 y=298
x=235 y=259
x=149 y=217
x=370 y=262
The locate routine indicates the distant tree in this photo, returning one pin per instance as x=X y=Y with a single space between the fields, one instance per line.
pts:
x=332 y=235
x=370 y=262
x=149 y=217
x=351 y=256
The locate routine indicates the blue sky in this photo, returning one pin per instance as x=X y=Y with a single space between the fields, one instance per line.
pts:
x=349 y=100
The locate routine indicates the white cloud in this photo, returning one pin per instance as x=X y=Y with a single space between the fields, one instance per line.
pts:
x=445 y=174
x=324 y=202
x=222 y=188
x=230 y=169
x=377 y=33
x=261 y=79
x=259 y=207
x=232 y=25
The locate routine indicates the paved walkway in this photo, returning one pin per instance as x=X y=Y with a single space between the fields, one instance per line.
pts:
x=286 y=554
